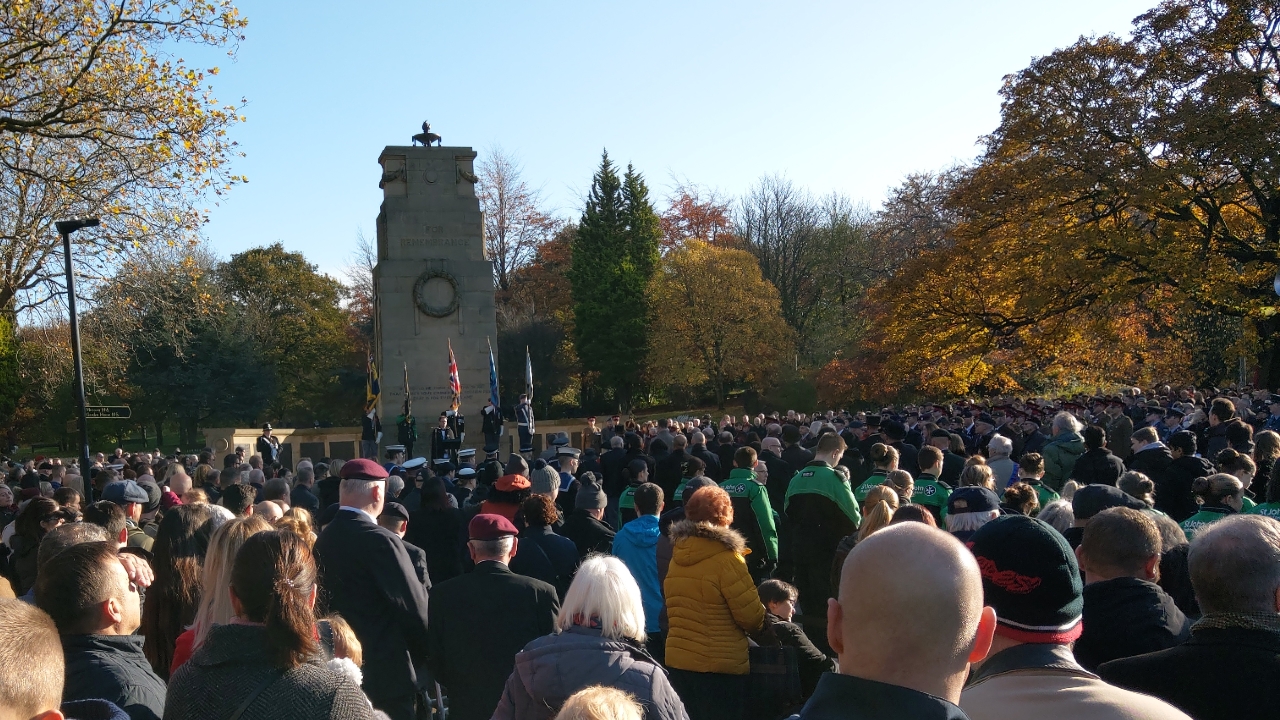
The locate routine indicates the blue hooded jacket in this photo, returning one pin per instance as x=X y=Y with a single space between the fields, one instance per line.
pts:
x=636 y=545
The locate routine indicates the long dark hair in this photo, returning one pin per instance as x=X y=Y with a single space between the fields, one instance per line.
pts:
x=172 y=600
x=273 y=578
x=27 y=524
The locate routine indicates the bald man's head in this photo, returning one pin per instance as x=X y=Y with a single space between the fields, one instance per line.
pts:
x=910 y=611
x=268 y=510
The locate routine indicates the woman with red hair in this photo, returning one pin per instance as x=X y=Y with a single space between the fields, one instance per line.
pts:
x=712 y=605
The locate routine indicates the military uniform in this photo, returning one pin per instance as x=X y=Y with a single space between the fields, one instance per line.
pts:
x=1119 y=430
x=525 y=425
x=407 y=432
x=490 y=426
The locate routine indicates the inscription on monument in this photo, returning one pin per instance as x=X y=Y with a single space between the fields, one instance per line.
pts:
x=434 y=242
x=442 y=393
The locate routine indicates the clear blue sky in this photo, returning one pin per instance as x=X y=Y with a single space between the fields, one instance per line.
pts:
x=845 y=96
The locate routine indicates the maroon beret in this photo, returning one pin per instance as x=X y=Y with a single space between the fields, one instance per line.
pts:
x=490 y=527
x=363 y=469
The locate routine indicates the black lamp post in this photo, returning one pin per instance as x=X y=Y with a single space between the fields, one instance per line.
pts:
x=65 y=228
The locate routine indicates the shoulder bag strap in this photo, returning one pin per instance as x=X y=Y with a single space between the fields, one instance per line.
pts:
x=266 y=682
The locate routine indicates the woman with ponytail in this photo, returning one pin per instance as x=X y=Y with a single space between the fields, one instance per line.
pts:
x=885 y=460
x=877 y=511
x=266 y=662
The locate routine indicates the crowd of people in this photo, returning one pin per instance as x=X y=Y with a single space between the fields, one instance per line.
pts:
x=1111 y=556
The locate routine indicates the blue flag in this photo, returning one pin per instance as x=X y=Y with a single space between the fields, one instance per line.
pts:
x=493 y=379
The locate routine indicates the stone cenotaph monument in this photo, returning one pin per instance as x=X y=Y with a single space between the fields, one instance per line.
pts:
x=433 y=285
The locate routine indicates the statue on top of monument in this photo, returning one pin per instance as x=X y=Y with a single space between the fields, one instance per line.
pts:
x=426 y=137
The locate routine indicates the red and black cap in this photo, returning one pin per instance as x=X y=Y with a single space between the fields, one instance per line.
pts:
x=1030 y=577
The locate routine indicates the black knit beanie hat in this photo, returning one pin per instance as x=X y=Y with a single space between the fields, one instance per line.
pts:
x=1030 y=577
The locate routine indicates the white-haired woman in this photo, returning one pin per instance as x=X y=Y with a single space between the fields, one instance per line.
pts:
x=1003 y=468
x=599 y=640
x=1059 y=515
x=1063 y=449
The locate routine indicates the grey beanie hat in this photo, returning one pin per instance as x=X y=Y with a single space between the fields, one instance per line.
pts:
x=590 y=495
x=544 y=480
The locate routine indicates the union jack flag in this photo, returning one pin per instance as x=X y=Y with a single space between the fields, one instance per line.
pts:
x=455 y=386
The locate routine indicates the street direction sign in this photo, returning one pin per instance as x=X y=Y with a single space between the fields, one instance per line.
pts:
x=108 y=412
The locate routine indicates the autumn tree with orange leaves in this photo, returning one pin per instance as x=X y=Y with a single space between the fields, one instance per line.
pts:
x=697 y=213
x=1123 y=223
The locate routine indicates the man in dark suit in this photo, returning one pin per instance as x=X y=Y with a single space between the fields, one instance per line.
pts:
x=370 y=580
x=698 y=448
x=395 y=517
x=611 y=466
x=302 y=495
x=1033 y=439
x=896 y=432
x=779 y=472
x=915 y=436
x=670 y=469
x=1006 y=426
x=479 y=621
x=793 y=454
x=952 y=464
x=1234 y=650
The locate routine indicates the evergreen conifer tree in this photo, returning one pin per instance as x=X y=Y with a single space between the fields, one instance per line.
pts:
x=641 y=237
x=615 y=253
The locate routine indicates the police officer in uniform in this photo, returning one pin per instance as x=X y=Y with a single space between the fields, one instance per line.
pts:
x=268 y=446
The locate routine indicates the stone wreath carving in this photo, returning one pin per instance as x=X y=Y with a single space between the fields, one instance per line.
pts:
x=390 y=176
x=436 y=310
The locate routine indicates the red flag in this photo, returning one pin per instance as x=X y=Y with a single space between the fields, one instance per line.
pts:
x=455 y=386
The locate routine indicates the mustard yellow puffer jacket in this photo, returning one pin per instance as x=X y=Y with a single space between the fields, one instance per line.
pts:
x=711 y=602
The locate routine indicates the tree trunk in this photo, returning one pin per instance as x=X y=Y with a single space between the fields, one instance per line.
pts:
x=1269 y=358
